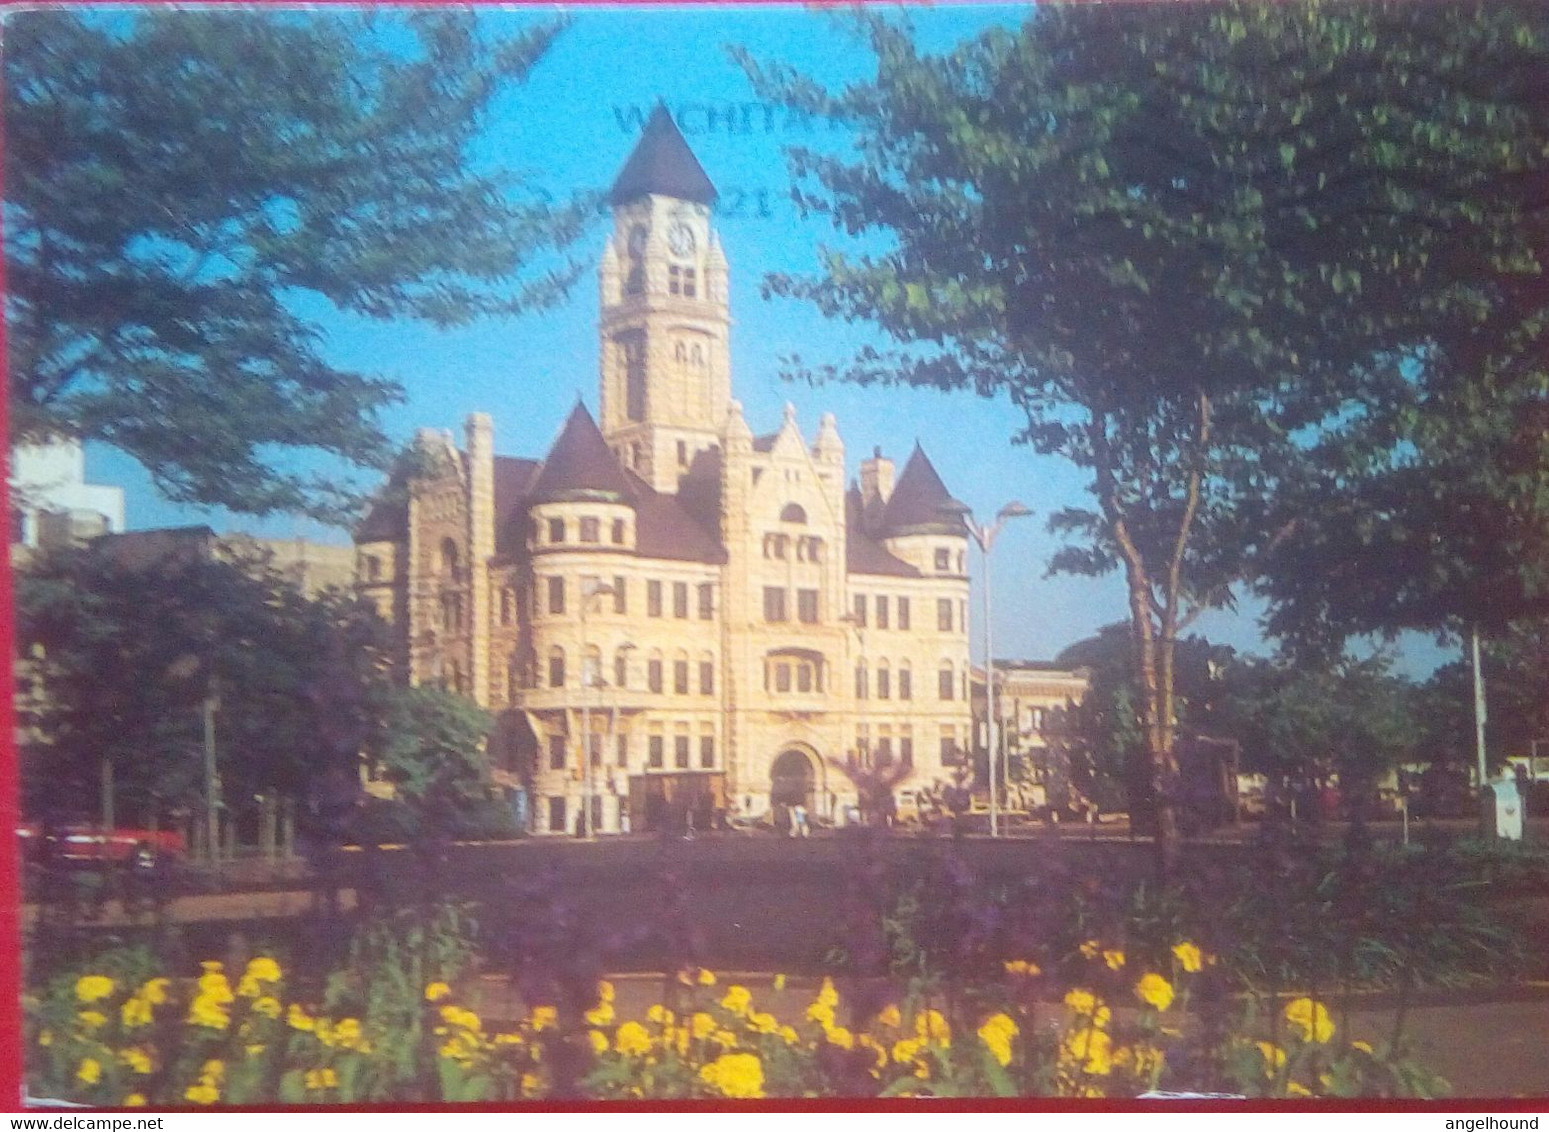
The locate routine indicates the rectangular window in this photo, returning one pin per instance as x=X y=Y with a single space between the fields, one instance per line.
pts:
x=556 y=530
x=882 y=617
x=807 y=606
x=884 y=749
x=591 y=529
x=556 y=595
x=621 y=669
x=884 y=684
x=620 y=595
x=653 y=675
x=944 y=614
x=860 y=611
x=948 y=750
x=557 y=814
x=674 y=279
x=944 y=684
x=860 y=681
x=707 y=752
x=804 y=677
x=682 y=454
x=774 y=603
x=618 y=532
x=653 y=599
x=906 y=750
x=706 y=601
x=680 y=677
x=782 y=677
x=943 y=559
x=556 y=752
x=556 y=670
x=962 y=617
x=905 y=684
x=680 y=600
x=706 y=678
x=658 y=749
x=690 y=284
x=623 y=751
x=680 y=752
x=594 y=743
x=903 y=614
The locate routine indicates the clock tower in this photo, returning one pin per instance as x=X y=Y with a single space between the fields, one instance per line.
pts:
x=665 y=323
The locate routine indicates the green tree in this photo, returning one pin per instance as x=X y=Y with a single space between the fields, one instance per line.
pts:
x=433 y=754
x=120 y=658
x=184 y=189
x=1195 y=245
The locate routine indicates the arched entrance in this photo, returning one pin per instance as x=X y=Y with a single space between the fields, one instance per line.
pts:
x=792 y=782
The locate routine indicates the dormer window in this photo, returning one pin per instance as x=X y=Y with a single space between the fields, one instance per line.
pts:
x=556 y=530
x=591 y=529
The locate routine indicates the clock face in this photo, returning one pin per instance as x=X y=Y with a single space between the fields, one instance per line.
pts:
x=637 y=238
x=680 y=239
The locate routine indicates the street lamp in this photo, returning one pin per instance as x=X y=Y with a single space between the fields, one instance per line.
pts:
x=985 y=537
x=588 y=592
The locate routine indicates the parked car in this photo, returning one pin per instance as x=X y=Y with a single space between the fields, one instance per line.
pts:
x=89 y=845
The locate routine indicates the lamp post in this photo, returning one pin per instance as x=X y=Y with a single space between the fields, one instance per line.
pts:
x=984 y=536
x=588 y=592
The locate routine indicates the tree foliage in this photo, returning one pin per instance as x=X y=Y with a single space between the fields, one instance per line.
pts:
x=120 y=658
x=433 y=754
x=184 y=189
x=1222 y=256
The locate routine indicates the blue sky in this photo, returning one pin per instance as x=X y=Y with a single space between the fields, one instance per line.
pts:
x=573 y=124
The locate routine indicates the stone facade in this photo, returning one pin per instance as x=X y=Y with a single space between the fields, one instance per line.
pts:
x=669 y=614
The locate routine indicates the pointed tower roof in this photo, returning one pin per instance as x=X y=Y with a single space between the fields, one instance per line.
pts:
x=663 y=164
x=920 y=504
x=580 y=465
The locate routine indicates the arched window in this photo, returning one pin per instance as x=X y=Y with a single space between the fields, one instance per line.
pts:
x=884 y=681
x=793 y=513
x=945 y=683
x=621 y=668
x=680 y=673
x=591 y=667
x=905 y=681
x=556 y=667
x=861 y=681
x=653 y=671
x=449 y=558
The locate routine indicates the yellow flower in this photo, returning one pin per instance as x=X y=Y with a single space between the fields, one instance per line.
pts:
x=1023 y=968
x=762 y=1023
x=632 y=1039
x=1274 y=1057
x=1189 y=957
x=208 y=1012
x=789 y=1035
x=215 y=987
x=841 y=1037
x=866 y=1041
x=202 y=1093
x=779 y=982
x=91 y=988
x=737 y=999
x=821 y=1013
x=599 y=1041
x=1093 y=1049
x=264 y=969
x=706 y=979
x=1090 y=948
x=46 y=1038
x=739 y=1075
x=1155 y=991
x=1297 y=1089
x=530 y=1084
x=92 y=1019
x=891 y=1016
x=906 y=1050
x=134 y=1100
x=155 y=991
x=543 y=1017
x=90 y=1071
x=435 y=992
x=347 y=1031
x=996 y=1034
x=320 y=1078
x=254 y=1049
x=212 y=966
x=604 y=991
x=1081 y=1001
x=1310 y=1019
x=659 y=1014
x=931 y=1026
x=702 y=1025
x=1364 y=1047
x=213 y=1070
x=1114 y=958
x=136 y=1058
x=268 y=1006
x=467 y=1019
x=601 y=1015
x=249 y=987
x=725 y=1039
x=828 y=996
x=297 y=1018
x=135 y=1012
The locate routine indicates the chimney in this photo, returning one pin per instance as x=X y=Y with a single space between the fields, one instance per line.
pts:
x=876 y=478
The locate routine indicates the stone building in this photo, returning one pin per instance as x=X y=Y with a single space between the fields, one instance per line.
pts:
x=668 y=613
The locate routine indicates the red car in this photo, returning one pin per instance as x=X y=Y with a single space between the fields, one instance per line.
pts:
x=89 y=844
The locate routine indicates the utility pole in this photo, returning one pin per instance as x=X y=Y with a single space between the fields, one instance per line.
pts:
x=212 y=780
x=1479 y=705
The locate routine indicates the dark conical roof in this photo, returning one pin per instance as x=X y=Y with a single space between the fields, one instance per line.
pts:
x=580 y=465
x=921 y=503
x=663 y=164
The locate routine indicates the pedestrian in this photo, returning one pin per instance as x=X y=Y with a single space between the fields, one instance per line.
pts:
x=799 y=821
